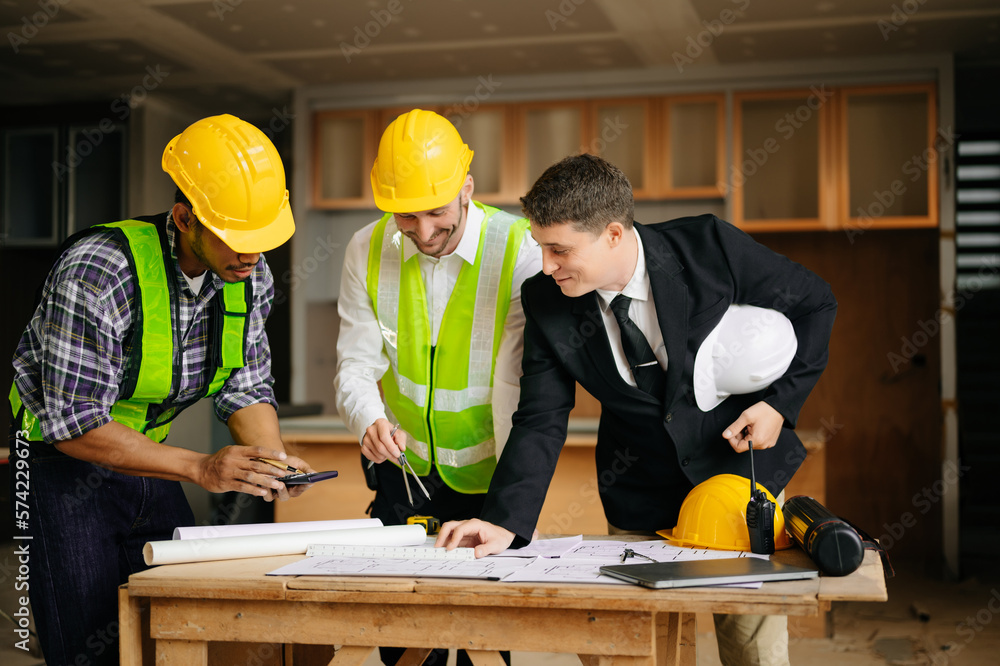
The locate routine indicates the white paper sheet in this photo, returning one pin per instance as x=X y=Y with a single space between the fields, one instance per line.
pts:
x=264 y=545
x=562 y=570
x=488 y=568
x=609 y=552
x=544 y=548
x=581 y=564
x=212 y=531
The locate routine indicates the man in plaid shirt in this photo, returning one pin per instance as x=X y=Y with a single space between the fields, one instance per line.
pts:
x=137 y=321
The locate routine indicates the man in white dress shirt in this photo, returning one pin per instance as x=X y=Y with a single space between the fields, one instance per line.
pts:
x=430 y=304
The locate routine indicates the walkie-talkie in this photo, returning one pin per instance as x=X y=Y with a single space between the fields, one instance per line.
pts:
x=760 y=516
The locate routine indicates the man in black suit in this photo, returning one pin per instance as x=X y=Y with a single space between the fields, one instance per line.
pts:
x=653 y=442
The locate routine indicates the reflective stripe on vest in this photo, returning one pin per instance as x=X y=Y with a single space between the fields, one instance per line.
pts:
x=456 y=414
x=154 y=338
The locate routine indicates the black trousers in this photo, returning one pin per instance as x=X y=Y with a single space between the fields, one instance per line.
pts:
x=392 y=507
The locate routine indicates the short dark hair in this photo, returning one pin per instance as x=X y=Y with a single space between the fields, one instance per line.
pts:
x=181 y=198
x=583 y=189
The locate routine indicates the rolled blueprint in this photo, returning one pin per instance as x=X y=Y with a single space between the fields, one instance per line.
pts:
x=212 y=531
x=265 y=545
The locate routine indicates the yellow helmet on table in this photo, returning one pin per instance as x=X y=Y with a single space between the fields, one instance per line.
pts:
x=714 y=515
x=421 y=164
x=233 y=176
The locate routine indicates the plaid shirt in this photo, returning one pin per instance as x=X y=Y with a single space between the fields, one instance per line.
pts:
x=71 y=358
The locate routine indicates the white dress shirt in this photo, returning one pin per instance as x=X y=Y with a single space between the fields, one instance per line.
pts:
x=642 y=311
x=361 y=359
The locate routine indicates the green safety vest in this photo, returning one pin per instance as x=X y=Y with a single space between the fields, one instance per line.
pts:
x=150 y=377
x=443 y=400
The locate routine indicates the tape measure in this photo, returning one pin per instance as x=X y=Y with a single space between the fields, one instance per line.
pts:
x=430 y=523
x=390 y=552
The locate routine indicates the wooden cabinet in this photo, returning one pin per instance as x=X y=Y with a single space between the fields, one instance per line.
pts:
x=488 y=131
x=887 y=163
x=816 y=158
x=780 y=145
x=827 y=158
x=622 y=132
x=691 y=153
x=669 y=147
x=546 y=132
x=344 y=147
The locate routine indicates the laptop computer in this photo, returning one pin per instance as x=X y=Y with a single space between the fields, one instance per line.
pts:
x=692 y=573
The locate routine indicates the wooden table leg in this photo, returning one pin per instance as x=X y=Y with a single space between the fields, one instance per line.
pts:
x=688 y=649
x=414 y=656
x=181 y=653
x=485 y=658
x=614 y=660
x=130 y=610
x=676 y=634
x=352 y=655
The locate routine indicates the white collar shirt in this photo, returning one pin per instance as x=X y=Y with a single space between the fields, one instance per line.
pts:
x=642 y=311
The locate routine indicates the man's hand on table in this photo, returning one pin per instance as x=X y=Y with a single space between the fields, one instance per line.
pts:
x=486 y=538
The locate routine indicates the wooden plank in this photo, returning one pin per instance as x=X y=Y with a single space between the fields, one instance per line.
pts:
x=865 y=584
x=668 y=639
x=616 y=660
x=351 y=655
x=181 y=653
x=688 y=652
x=414 y=656
x=246 y=654
x=784 y=598
x=360 y=624
x=130 y=611
x=226 y=579
x=485 y=658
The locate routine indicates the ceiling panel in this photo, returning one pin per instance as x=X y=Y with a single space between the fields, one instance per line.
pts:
x=263 y=49
x=268 y=26
x=820 y=10
x=98 y=59
x=24 y=13
x=964 y=36
x=486 y=61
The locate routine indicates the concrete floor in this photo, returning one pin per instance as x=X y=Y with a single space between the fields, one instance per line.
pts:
x=925 y=621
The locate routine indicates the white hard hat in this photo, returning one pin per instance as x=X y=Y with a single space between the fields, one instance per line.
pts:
x=749 y=349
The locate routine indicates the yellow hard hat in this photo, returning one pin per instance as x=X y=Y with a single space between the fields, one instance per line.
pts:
x=421 y=164
x=714 y=515
x=233 y=177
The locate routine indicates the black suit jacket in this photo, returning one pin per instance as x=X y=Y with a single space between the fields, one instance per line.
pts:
x=651 y=453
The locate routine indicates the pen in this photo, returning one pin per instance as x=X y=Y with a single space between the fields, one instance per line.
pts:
x=391 y=433
x=279 y=465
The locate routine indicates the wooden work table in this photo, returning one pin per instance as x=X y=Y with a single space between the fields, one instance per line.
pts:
x=183 y=607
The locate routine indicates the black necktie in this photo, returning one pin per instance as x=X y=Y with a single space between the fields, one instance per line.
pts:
x=648 y=374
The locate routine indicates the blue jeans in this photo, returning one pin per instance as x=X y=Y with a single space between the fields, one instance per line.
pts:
x=87 y=526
